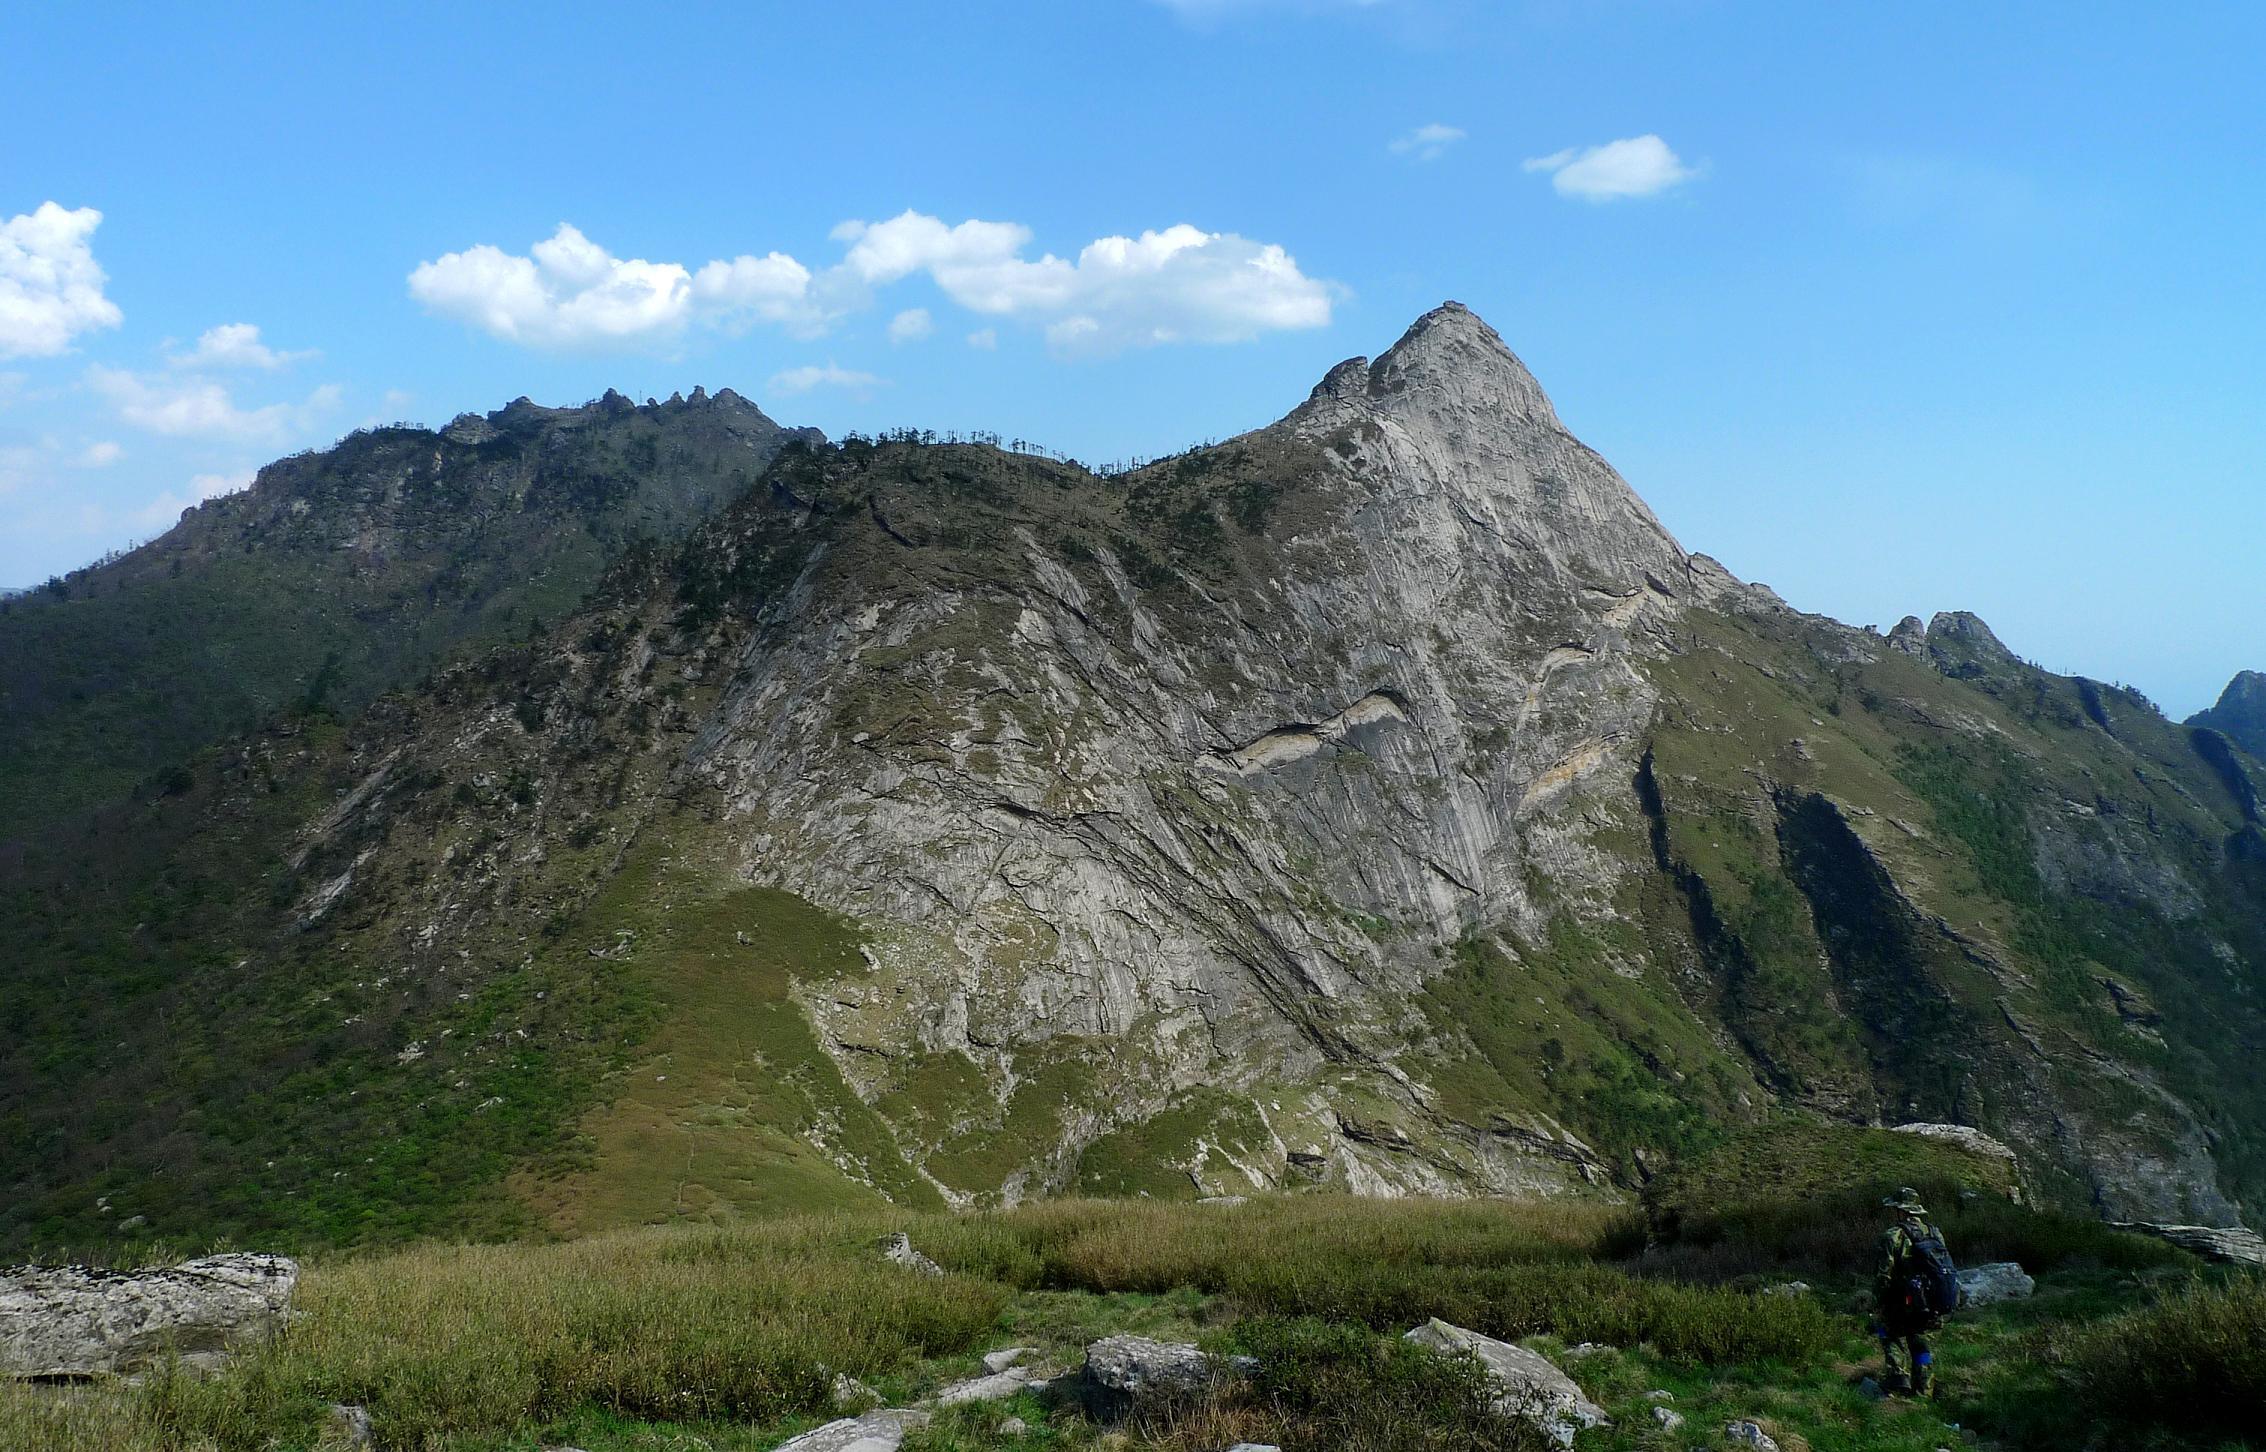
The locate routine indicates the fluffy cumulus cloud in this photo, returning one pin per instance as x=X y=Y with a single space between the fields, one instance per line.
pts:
x=571 y=293
x=100 y=455
x=234 y=345
x=50 y=285
x=1636 y=166
x=825 y=375
x=1180 y=284
x=1428 y=142
x=204 y=408
x=984 y=338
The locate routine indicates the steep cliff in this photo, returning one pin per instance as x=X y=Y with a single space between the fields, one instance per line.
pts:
x=1381 y=798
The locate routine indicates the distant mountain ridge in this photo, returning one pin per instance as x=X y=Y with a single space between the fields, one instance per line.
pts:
x=1380 y=799
x=341 y=574
x=2240 y=713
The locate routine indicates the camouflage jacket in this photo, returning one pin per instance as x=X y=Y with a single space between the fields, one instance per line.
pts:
x=1894 y=1261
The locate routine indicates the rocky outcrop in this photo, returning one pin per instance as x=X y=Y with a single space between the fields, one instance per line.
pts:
x=1527 y=1385
x=66 y=1321
x=1965 y=1136
x=2227 y=1244
x=897 y=1249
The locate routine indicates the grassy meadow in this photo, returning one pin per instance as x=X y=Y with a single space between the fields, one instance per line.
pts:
x=729 y=1339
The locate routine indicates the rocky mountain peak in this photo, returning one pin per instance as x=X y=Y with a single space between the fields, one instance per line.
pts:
x=2240 y=712
x=1449 y=412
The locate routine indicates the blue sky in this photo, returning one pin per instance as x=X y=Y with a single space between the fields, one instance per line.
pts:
x=1898 y=309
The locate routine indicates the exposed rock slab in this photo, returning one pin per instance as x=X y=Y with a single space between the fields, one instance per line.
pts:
x=76 y=1321
x=1528 y=1385
x=2227 y=1244
x=882 y=1431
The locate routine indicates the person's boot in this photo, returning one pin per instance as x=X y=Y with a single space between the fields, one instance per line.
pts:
x=1895 y=1385
x=1923 y=1375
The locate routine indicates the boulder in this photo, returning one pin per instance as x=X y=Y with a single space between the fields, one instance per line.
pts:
x=1005 y=1357
x=882 y=1431
x=1527 y=1385
x=1668 y=1419
x=1123 y=1373
x=1988 y=1284
x=1012 y=1427
x=2227 y=1244
x=76 y=1321
x=898 y=1250
x=1750 y=1434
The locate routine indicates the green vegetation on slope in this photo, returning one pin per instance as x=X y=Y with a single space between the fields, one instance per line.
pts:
x=729 y=1338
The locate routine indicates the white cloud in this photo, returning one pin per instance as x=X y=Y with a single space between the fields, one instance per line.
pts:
x=1176 y=285
x=1428 y=142
x=911 y=325
x=1180 y=285
x=570 y=293
x=984 y=338
x=50 y=284
x=100 y=455
x=827 y=375
x=1637 y=166
x=203 y=408
x=234 y=345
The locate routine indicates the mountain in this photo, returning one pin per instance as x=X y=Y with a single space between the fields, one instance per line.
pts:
x=340 y=575
x=2240 y=715
x=1379 y=799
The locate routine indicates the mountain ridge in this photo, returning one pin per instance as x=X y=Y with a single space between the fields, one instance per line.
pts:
x=1378 y=799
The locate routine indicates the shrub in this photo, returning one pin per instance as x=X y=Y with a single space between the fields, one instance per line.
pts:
x=2195 y=1360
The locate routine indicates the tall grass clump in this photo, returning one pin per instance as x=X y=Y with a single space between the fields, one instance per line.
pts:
x=2195 y=1361
x=747 y=1324
x=1325 y=1388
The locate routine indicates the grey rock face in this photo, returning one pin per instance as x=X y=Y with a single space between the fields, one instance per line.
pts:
x=73 y=1321
x=1528 y=1386
x=1995 y=1281
x=2228 y=1244
x=1164 y=833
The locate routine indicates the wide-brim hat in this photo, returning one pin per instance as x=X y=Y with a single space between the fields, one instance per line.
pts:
x=1906 y=1199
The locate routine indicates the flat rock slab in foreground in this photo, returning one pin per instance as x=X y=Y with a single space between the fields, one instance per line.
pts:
x=77 y=1321
x=873 y=1432
x=1528 y=1385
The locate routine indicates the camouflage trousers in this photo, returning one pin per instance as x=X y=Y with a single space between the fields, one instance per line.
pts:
x=1911 y=1361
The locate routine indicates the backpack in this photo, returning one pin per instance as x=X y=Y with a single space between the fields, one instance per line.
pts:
x=1932 y=1281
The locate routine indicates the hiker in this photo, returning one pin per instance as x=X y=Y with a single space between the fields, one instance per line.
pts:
x=1916 y=1287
